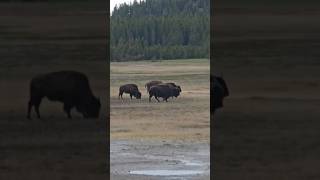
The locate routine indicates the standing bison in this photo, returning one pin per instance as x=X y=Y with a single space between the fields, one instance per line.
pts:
x=163 y=90
x=219 y=91
x=173 y=85
x=69 y=87
x=131 y=89
x=151 y=83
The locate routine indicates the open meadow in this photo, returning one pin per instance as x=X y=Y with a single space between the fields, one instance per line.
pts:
x=269 y=126
x=154 y=136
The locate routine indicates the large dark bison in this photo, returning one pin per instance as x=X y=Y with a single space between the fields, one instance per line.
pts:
x=69 y=87
x=164 y=91
x=131 y=89
x=151 y=83
x=219 y=91
x=173 y=85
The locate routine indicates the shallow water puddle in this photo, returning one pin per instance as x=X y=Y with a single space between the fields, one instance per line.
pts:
x=189 y=163
x=166 y=172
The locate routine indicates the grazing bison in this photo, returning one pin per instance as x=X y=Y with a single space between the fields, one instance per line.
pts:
x=69 y=87
x=151 y=83
x=131 y=89
x=164 y=91
x=219 y=91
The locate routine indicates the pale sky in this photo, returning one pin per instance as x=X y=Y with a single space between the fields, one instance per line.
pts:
x=114 y=2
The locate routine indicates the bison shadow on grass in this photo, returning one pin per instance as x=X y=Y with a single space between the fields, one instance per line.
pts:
x=69 y=87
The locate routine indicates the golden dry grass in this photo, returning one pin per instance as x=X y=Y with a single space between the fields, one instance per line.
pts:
x=184 y=118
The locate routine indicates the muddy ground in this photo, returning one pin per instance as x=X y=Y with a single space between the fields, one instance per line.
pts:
x=39 y=38
x=269 y=56
x=149 y=159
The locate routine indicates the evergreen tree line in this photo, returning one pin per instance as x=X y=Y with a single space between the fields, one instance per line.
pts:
x=160 y=29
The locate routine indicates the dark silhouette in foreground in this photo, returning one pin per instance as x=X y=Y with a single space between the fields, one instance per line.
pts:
x=219 y=91
x=69 y=87
x=131 y=89
x=164 y=91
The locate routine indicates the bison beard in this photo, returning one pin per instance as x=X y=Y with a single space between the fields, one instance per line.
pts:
x=69 y=87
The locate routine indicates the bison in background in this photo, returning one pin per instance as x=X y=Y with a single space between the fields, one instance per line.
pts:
x=163 y=90
x=131 y=89
x=219 y=91
x=69 y=87
x=151 y=83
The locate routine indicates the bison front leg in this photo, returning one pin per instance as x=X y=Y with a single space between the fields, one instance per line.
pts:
x=157 y=99
x=67 y=109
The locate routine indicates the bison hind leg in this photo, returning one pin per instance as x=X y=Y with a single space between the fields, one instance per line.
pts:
x=150 y=96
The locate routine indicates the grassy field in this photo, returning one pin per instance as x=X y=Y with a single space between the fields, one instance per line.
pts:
x=160 y=136
x=185 y=118
x=38 y=38
x=268 y=128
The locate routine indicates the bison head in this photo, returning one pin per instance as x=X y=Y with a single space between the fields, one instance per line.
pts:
x=222 y=82
x=137 y=95
x=179 y=88
x=219 y=91
x=176 y=91
x=90 y=108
